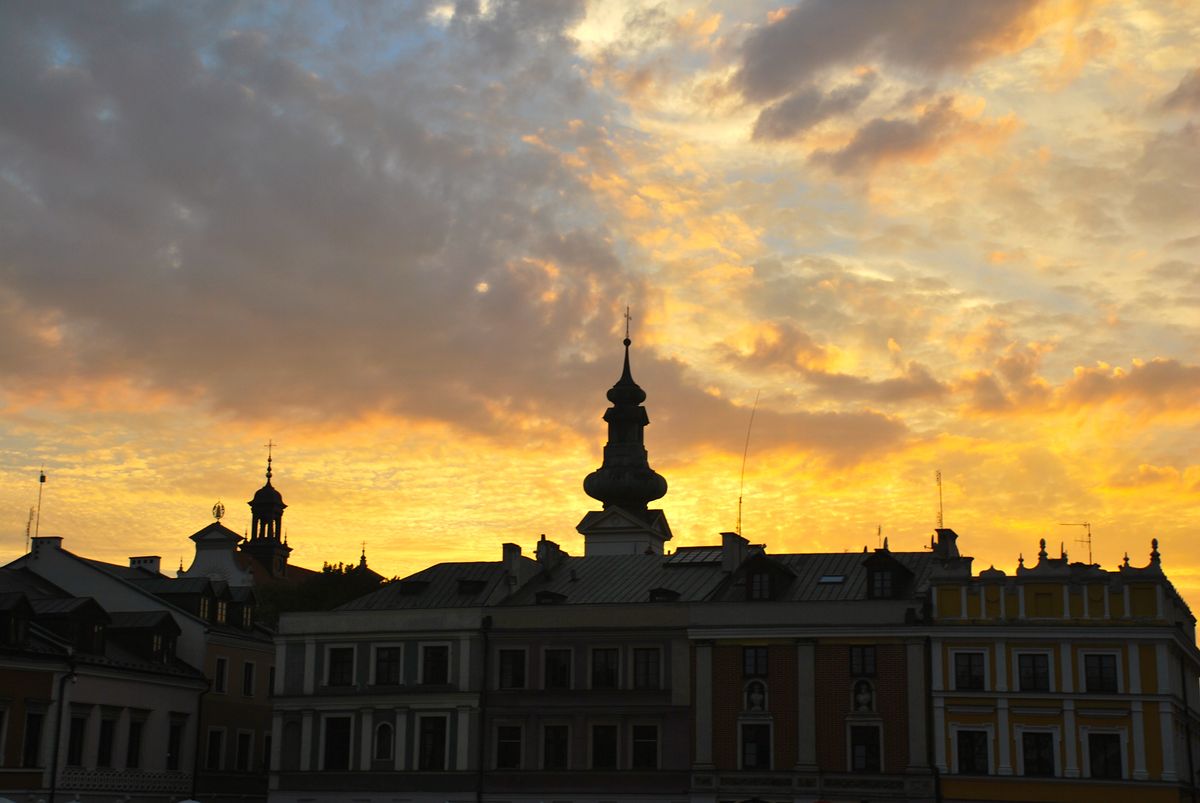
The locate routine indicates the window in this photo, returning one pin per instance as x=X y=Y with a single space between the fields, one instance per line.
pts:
x=604 y=747
x=754 y=662
x=604 y=668
x=266 y=754
x=335 y=740
x=220 y=675
x=104 y=747
x=204 y=607
x=248 y=679
x=862 y=661
x=508 y=747
x=214 y=751
x=646 y=668
x=247 y=616
x=431 y=743
x=968 y=671
x=645 y=747
x=174 y=743
x=222 y=610
x=75 y=741
x=1037 y=751
x=245 y=751
x=760 y=585
x=31 y=747
x=756 y=746
x=1100 y=674
x=387 y=666
x=1104 y=756
x=557 y=674
x=383 y=741
x=270 y=681
x=511 y=669
x=864 y=749
x=973 y=752
x=882 y=585
x=1033 y=671
x=339 y=670
x=133 y=745
x=435 y=664
x=555 y=747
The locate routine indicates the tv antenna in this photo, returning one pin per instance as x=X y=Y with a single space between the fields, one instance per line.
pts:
x=938 y=475
x=28 y=529
x=745 y=453
x=1087 y=539
x=37 y=524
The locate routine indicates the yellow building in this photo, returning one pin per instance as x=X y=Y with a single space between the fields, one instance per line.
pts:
x=1065 y=682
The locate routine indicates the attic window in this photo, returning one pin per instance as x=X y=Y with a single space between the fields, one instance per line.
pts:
x=549 y=598
x=882 y=584
x=411 y=588
x=471 y=587
x=831 y=579
x=760 y=586
x=663 y=595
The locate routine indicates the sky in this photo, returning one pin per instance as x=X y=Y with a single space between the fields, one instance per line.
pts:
x=398 y=240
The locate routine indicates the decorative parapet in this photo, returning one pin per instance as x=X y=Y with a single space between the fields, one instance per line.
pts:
x=78 y=779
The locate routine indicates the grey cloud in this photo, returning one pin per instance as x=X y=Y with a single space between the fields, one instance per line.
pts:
x=1185 y=96
x=808 y=106
x=916 y=384
x=926 y=35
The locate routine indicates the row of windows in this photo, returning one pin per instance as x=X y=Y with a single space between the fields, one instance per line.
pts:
x=430 y=752
x=1100 y=672
x=221 y=678
x=863 y=744
x=862 y=661
x=1038 y=754
x=645 y=669
x=105 y=746
x=243 y=756
x=604 y=753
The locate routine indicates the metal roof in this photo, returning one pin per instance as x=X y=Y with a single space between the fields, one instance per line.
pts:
x=438 y=586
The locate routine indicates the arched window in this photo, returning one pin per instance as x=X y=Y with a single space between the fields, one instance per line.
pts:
x=756 y=697
x=383 y=741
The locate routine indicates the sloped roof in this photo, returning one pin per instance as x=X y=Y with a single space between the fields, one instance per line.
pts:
x=438 y=586
x=811 y=567
x=600 y=579
x=142 y=620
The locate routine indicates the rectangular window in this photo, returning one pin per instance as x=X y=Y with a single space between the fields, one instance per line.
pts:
x=271 y=681
x=1037 y=750
x=645 y=747
x=881 y=585
x=214 y=752
x=435 y=664
x=1033 y=671
x=31 y=747
x=75 y=741
x=754 y=662
x=862 y=661
x=646 y=668
x=1100 y=674
x=605 y=668
x=968 y=671
x=973 y=753
x=604 y=747
x=266 y=754
x=431 y=743
x=557 y=669
x=511 y=669
x=756 y=747
x=1104 y=756
x=555 y=747
x=247 y=679
x=222 y=610
x=133 y=745
x=174 y=744
x=245 y=750
x=387 y=666
x=340 y=671
x=336 y=752
x=508 y=747
x=864 y=749
x=760 y=586
x=220 y=675
x=104 y=746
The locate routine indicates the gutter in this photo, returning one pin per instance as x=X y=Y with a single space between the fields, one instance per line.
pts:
x=485 y=627
x=196 y=747
x=62 y=704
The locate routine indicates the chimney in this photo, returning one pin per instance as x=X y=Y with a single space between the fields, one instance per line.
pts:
x=512 y=561
x=733 y=551
x=946 y=545
x=151 y=563
x=44 y=542
x=549 y=554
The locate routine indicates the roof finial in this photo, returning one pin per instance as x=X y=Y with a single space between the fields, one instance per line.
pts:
x=270 y=445
x=218 y=510
x=1154 y=556
x=1042 y=550
x=1021 y=560
x=628 y=318
x=1126 y=562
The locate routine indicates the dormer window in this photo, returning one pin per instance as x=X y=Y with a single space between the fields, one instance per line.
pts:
x=204 y=607
x=222 y=610
x=882 y=584
x=760 y=586
x=247 y=616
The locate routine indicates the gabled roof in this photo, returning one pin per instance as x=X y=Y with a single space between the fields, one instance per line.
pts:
x=215 y=532
x=438 y=586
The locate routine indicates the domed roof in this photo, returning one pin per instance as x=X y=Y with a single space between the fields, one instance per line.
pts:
x=267 y=495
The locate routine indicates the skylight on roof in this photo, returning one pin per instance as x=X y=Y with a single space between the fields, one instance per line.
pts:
x=829 y=579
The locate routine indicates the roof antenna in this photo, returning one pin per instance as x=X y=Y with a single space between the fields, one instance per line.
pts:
x=1087 y=539
x=745 y=453
x=28 y=528
x=879 y=536
x=941 y=523
x=37 y=527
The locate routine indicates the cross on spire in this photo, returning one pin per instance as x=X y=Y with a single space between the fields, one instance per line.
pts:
x=270 y=445
x=628 y=318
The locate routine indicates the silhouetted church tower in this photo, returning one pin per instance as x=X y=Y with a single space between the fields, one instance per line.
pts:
x=625 y=483
x=266 y=543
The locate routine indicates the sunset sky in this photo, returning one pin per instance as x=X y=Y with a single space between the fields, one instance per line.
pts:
x=399 y=239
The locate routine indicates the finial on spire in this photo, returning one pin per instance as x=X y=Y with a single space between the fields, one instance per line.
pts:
x=1021 y=560
x=1126 y=563
x=218 y=510
x=628 y=318
x=1042 y=549
x=1154 y=556
x=270 y=447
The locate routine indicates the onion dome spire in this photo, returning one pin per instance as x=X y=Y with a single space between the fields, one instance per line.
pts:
x=625 y=478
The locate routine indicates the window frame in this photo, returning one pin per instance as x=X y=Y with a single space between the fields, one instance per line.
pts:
x=422 y=646
x=520 y=764
x=416 y=748
x=522 y=665
x=221 y=675
x=759 y=586
x=1118 y=667
x=863 y=651
x=328 y=665
x=741 y=743
x=616 y=667
x=881 y=584
x=570 y=668
x=758 y=649
x=633 y=726
x=1048 y=652
x=373 y=679
x=566 y=726
x=987 y=673
x=656 y=683
x=252 y=666
x=249 y=750
x=616 y=733
x=877 y=727
x=391 y=752
x=322 y=746
x=956 y=758
x=218 y=730
x=1055 y=744
x=1087 y=732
